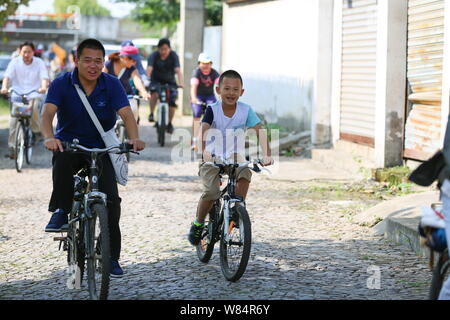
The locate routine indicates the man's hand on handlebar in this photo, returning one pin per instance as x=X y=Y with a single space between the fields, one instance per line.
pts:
x=138 y=144
x=53 y=144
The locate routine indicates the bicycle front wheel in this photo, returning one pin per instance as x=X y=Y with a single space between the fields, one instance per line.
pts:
x=98 y=253
x=440 y=275
x=235 y=247
x=162 y=128
x=28 y=145
x=20 y=147
x=206 y=246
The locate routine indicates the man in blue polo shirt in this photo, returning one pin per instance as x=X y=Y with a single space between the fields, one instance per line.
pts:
x=107 y=98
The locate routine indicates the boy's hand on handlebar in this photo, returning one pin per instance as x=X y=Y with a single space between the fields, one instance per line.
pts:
x=53 y=144
x=41 y=90
x=266 y=161
x=138 y=144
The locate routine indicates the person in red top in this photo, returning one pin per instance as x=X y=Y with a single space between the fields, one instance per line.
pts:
x=203 y=81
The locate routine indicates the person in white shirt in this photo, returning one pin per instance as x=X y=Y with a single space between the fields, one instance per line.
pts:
x=25 y=74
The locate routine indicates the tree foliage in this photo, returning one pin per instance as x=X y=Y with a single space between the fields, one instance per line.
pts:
x=87 y=7
x=9 y=7
x=166 y=13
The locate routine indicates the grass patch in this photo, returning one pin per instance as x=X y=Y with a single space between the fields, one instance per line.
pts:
x=4 y=106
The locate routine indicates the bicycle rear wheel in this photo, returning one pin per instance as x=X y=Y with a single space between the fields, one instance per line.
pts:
x=209 y=235
x=98 y=253
x=28 y=145
x=235 y=251
x=440 y=275
x=75 y=251
x=20 y=147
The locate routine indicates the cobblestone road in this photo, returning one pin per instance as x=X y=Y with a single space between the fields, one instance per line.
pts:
x=304 y=245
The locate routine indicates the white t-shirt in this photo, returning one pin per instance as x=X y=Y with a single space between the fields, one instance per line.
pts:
x=226 y=136
x=25 y=78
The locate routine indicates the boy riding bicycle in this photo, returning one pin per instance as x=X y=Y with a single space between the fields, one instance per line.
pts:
x=227 y=116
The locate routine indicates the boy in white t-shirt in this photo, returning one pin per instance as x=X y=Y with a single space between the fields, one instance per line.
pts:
x=24 y=74
x=229 y=118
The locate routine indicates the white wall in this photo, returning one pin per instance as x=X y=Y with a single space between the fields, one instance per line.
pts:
x=273 y=45
x=212 y=45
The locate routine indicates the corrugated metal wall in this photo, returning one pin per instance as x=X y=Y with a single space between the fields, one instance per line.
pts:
x=425 y=54
x=358 y=88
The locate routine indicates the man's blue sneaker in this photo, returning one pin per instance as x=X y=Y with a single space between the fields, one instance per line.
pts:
x=58 y=222
x=116 y=270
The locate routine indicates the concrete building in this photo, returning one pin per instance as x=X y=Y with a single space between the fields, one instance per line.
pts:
x=369 y=78
x=273 y=44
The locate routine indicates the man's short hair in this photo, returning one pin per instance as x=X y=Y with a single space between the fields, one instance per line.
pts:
x=90 y=44
x=27 y=43
x=163 y=41
x=230 y=74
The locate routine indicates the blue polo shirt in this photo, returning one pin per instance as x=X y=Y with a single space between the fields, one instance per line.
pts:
x=73 y=120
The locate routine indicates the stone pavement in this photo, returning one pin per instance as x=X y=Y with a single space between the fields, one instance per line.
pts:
x=304 y=242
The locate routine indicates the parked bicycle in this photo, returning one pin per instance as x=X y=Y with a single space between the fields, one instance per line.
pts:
x=22 y=109
x=120 y=125
x=229 y=224
x=87 y=241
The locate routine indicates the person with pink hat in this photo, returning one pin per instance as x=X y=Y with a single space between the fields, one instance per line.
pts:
x=122 y=65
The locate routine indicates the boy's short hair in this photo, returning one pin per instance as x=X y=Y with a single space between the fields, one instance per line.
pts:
x=163 y=41
x=230 y=74
x=27 y=43
x=90 y=44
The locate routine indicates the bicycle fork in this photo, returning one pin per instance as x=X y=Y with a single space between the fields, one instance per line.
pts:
x=229 y=203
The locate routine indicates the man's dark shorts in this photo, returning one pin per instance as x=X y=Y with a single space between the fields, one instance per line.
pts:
x=154 y=87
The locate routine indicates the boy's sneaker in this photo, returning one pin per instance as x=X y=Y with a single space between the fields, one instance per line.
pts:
x=195 y=234
x=116 y=271
x=58 y=222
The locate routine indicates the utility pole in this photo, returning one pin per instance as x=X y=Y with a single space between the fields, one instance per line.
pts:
x=192 y=23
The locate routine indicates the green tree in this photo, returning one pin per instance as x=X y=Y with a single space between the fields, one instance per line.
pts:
x=213 y=12
x=9 y=7
x=87 y=7
x=166 y=13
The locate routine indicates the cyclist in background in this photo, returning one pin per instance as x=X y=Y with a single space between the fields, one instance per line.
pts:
x=24 y=74
x=122 y=65
x=203 y=80
x=162 y=66
x=138 y=65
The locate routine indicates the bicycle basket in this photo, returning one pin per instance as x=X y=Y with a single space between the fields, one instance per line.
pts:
x=19 y=109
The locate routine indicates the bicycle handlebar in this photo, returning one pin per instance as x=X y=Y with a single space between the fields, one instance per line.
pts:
x=75 y=146
x=226 y=163
x=20 y=94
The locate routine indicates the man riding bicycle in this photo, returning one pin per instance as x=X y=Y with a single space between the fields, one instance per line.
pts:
x=107 y=98
x=25 y=74
x=162 y=66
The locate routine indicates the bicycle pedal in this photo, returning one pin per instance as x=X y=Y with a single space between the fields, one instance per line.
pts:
x=59 y=238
